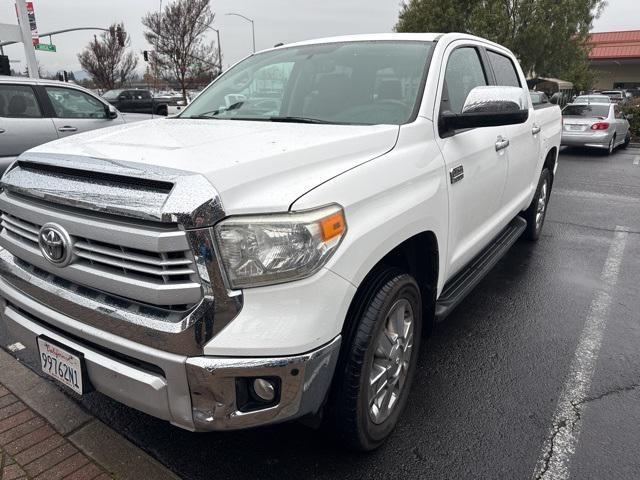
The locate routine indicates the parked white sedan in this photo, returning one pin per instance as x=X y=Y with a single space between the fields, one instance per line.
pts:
x=595 y=125
x=33 y=112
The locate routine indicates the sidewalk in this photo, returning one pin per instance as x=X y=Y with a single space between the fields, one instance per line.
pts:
x=45 y=435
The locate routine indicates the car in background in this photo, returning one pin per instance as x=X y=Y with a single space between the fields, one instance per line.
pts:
x=617 y=96
x=539 y=98
x=136 y=100
x=595 y=125
x=592 y=99
x=35 y=111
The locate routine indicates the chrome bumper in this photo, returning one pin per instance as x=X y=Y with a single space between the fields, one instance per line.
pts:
x=195 y=393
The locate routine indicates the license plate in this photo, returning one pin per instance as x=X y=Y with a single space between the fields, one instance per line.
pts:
x=575 y=127
x=61 y=364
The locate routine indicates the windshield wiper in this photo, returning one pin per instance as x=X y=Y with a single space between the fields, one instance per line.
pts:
x=299 y=120
x=213 y=113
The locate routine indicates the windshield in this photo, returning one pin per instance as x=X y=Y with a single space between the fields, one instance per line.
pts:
x=364 y=83
x=111 y=94
x=601 y=111
x=592 y=99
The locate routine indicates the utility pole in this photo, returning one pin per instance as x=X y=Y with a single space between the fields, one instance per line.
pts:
x=25 y=30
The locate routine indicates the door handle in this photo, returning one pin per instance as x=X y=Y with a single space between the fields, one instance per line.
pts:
x=67 y=129
x=2 y=130
x=501 y=144
x=535 y=130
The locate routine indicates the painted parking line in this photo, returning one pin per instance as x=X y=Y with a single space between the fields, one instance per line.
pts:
x=636 y=160
x=595 y=195
x=555 y=458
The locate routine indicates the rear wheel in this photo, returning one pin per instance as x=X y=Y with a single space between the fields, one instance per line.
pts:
x=611 y=146
x=537 y=211
x=627 y=140
x=375 y=374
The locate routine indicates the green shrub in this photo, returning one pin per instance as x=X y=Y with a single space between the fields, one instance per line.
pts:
x=634 y=110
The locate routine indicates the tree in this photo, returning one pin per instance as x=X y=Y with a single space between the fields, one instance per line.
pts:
x=180 y=50
x=107 y=60
x=548 y=36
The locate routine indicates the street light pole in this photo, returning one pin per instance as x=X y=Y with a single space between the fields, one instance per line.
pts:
x=219 y=48
x=27 y=40
x=253 y=31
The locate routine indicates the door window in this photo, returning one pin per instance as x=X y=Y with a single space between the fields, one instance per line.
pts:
x=464 y=73
x=618 y=112
x=504 y=70
x=70 y=103
x=18 y=101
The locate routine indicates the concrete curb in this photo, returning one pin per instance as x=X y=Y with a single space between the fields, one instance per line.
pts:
x=634 y=145
x=92 y=437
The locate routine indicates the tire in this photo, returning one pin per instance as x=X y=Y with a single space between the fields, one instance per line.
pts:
x=537 y=211
x=627 y=140
x=162 y=110
x=612 y=145
x=355 y=417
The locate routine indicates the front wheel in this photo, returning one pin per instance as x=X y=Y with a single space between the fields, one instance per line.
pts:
x=537 y=211
x=374 y=377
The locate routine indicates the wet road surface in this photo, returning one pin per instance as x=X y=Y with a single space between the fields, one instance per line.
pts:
x=487 y=402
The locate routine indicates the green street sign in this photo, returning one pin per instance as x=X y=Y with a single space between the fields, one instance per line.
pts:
x=45 y=47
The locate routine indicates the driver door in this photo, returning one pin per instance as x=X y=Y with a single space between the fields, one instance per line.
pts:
x=77 y=111
x=476 y=162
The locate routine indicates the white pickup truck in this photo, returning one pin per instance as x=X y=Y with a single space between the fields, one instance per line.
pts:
x=279 y=249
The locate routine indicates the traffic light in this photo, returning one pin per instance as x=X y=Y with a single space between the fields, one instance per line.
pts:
x=145 y=55
x=5 y=68
x=120 y=35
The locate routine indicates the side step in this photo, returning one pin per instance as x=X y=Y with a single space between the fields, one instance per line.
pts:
x=459 y=286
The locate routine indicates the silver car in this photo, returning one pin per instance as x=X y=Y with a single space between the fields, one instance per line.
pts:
x=597 y=125
x=33 y=112
x=591 y=99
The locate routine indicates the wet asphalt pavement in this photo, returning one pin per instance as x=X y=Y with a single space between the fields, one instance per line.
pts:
x=490 y=377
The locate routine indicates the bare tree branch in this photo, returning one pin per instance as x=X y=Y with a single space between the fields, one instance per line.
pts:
x=180 y=51
x=108 y=63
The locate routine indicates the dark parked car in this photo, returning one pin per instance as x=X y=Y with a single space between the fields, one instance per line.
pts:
x=136 y=101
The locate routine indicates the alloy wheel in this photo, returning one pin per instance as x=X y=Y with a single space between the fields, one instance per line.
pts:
x=391 y=361
x=541 y=208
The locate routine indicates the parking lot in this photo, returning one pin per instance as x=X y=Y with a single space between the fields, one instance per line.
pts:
x=554 y=322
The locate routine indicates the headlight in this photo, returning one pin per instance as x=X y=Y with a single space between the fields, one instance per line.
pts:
x=267 y=249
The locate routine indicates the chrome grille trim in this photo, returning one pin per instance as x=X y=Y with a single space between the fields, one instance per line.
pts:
x=163 y=278
x=177 y=220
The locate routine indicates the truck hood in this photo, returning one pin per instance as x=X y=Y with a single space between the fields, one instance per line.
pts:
x=255 y=166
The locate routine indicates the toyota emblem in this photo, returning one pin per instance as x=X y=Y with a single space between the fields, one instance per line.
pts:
x=55 y=244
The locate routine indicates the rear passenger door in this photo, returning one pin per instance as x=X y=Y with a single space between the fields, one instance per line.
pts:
x=77 y=111
x=22 y=124
x=476 y=168
x=523 y=151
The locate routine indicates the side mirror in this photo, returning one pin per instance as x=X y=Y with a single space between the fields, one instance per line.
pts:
x=112 y=112
x=488 y=107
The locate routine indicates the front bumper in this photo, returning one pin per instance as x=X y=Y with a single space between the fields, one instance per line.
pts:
x=196 y=393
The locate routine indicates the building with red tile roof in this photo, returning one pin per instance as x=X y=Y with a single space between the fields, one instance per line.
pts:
x=615 y=56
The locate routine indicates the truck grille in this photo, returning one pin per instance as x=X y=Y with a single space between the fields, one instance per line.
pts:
x=149 y=264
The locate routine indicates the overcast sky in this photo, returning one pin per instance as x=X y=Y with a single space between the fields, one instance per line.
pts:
x=275 y=21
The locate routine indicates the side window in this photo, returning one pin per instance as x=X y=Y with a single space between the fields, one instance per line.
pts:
x=70 y=103
x=145 y=95
x=505 y=71
x=18 y=101
x=617 y=112
x=464 y=72
x=125 y=96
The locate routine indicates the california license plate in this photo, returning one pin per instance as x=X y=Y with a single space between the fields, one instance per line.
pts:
x=61 y=364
